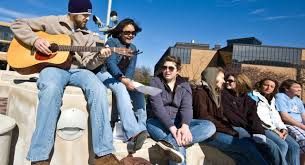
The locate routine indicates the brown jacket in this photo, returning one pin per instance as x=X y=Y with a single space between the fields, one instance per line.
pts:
x=205 y=108
x=23 y=29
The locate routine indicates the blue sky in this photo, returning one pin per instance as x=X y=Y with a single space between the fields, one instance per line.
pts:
x=165 y=22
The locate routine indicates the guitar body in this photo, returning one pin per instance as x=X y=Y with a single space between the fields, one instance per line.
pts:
x=24 y=60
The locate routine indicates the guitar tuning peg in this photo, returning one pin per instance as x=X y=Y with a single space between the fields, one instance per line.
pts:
x=138 y=52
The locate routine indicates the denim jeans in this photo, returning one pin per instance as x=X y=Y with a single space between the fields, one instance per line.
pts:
x=289 y=147
x=243 y=151
x=242 y=132
x=133 y=121
x=200 y=129
x=269 y=150
x=51 y=84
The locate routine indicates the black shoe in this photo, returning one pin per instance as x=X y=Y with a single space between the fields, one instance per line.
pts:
x=45 y=162
x=169 y=151
x=135 y=143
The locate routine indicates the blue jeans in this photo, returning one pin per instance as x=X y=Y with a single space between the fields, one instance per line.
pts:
x=243 y=151
x=51 y=84
x=200 y=129
x=133 y=121
x=289 y=147
x=269 y=150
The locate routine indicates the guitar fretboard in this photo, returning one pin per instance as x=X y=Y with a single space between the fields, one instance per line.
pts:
x=121 y=51
x=79 y=48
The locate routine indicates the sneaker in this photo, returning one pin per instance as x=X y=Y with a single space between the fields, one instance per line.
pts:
x=109 y=159
x=170 y=152
x=45 y=162
x=136 y=142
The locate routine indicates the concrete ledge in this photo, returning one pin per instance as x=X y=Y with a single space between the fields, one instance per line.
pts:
x=213 y=156
x=22 y=106
x=150 y=152
x=197 y=154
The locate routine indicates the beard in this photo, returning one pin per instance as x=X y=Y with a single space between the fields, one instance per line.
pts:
x=78 y=23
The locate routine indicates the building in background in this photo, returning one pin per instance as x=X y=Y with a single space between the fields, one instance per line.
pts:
x=6 y=37
x=248 y=40
x=259 y=61
x=194 y=58
x=246 y=55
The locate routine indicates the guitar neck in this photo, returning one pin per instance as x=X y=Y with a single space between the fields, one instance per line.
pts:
x=121 y=51
x=80 y=48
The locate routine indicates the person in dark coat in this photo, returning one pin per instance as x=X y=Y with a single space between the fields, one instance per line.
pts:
x=240 y=110
x=170 y=113
x=207 y=105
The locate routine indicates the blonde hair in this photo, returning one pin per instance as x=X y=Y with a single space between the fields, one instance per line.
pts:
x=243 y=83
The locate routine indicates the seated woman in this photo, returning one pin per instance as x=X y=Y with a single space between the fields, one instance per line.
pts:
x=240 y=110
x=292 y=111
x=170 y=113
x=118 y=77
x=272 y=122
x=207 y=105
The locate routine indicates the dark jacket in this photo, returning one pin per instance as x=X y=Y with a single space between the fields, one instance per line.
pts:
x=171 y=106
x=118 y=65
x=241 y=111
x=205 y=108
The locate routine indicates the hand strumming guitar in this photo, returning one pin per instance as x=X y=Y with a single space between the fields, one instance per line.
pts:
x=42 y=45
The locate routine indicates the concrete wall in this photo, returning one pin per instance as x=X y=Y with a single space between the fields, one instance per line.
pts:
x=22 y=106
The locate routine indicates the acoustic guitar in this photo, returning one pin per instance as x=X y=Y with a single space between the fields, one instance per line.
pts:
x=26 y=60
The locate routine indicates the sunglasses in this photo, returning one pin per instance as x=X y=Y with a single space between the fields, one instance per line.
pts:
x=230 y=81
x=127 y=33
x=170 y=68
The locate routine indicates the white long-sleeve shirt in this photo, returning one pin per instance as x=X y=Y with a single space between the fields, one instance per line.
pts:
x=268 y=113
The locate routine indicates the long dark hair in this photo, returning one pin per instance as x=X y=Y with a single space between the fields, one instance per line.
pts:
x=227 y=75
x=287 y=84
x=259 y=87
x=115 y=32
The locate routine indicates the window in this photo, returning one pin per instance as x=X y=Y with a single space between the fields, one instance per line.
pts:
x=265 y=55
x=183 y=53
x=5 y=33
x=4 y=47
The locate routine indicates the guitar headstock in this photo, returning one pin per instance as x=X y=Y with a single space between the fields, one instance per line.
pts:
x=125 y=51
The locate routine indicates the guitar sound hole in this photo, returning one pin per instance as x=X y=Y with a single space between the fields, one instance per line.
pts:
x=54 y=47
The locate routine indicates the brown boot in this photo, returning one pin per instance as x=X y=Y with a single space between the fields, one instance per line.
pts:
x=45 y=162
x=109 y=159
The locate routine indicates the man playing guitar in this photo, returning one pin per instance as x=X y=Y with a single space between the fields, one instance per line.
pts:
x=53 y=80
